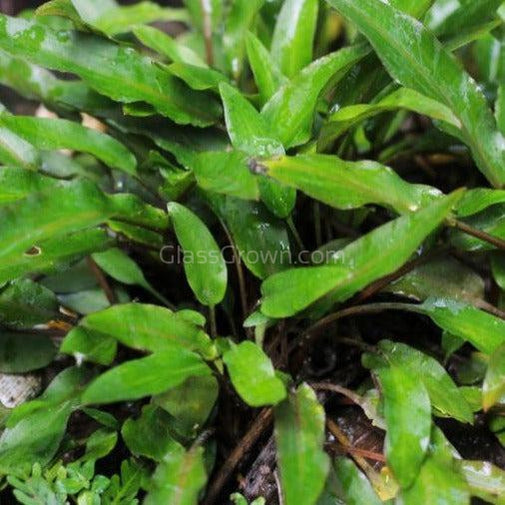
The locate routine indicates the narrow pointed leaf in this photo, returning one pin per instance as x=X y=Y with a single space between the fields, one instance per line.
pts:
x=483 y=330
x=293 y=36
x=407 y=412
x=475 y=200
x=52 y=134
x=253 y=376
x=486 y=480
x=179 y=478
x=145 y=376
x=204 y=264
x=347 y=184
x=445 y=396
x=353 y=484
x=267 y=75
x=299 y=436
x=291 y=110
x=494 y=382
x=415 y=58
x=376 y=254
x=117 y=72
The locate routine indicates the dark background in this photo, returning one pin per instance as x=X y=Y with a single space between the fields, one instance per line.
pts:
x=14 y=6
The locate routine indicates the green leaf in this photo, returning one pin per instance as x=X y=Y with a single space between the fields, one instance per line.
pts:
x=494 y=382
x=240 y=18
x=115 y=71
x=444 y=395
x=111 y=19
x=250 y=133
x=347 y=184
x=16 y=151
x=149 y=434
x=374 y=255
x=354 y=486
x=475 y=200
x=267 y=75
x=299 y=436
x=485 y=331
x=179 y=478
x=226 y=172
x=51 y=134
x=407 y=412
x=293 y=36
x=196 y=76
x=100 y=443
x=486 y=480
x=260 y=238
x=500 y=109
x=21 y=353
x=165 y=45
x=18 y=183
x=191 y=402
x=147 y=328
x=291 y=110
x=439 y=480
x=404 y=98
x=203 y=262
x=253 y=375
x=415 y=58
x=86 y=344
x=145 y=376
x=24 y=303
x=122 y=268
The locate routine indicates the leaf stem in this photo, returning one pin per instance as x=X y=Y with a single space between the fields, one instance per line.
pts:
x=102 y=281
x=212 y=321
x=475 y=232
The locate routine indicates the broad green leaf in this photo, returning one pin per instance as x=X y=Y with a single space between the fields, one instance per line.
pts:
x=447 y=18
x=37 y=83
x=486 y=480
x=475 y=200
x=149 y=434
x=35 y=439
x=148 y=328
x=25 y=303
x=267 y=75
x=444 y=278
x=439 y=480
x=179 y=478
x=374 y=255
x=17 y=183
x=415 y=8
x=142 y=377
x=111 y=19
x=86 y=344
x=293 y=36
x=55 y=252
x=444 y=395
x=299 y=436
x=250 y=133
x=203 y=262
x=196 y=76
x=290 y=112
x=190 y=403
x=404 y=98
x=415 y=58
x=21 y=352
x=355 y=488
x=165 y=45
x=25 y=224
x=122 y=268
x=115 y=71
x=260 y=238
x=500 y=109
x=226 y=172
x=253 y=375
x=16 y=151
x=407 y=412
x=347 y=184
x=494 y=383
x=239 y=20
x=51 y=134
x=484 y=331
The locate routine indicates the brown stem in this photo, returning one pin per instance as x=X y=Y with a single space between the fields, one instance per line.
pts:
x=258 y=427
x=102 y=281
x=475 y=232
x=207 y=30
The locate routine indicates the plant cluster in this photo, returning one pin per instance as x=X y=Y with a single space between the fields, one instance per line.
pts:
x=253 y=252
